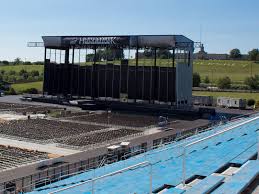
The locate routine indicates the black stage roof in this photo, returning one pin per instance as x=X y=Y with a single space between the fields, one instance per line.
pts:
x=126 y=41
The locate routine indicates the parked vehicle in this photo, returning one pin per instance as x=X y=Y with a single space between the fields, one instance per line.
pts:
x=202 y=100
x=231 y=102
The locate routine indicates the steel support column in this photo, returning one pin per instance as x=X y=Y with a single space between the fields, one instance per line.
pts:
x=136 y=75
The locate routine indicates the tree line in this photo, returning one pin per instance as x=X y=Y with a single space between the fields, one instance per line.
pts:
x=253 y=55
x=251 y=82
x=18 y=61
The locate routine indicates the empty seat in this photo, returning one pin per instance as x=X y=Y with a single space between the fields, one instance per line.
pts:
x=206 y=185
x=245 y=156
x=173 y=191
x=247 y=173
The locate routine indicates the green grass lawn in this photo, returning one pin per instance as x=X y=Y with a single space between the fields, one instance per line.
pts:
x=215 y=69
x=23 y=86
x=228 y=94
x=18 y=68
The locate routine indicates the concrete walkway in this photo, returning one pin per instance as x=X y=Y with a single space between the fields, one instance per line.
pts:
x=49 y=148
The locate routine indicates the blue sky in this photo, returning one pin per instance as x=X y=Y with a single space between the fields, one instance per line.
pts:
x=226 y=24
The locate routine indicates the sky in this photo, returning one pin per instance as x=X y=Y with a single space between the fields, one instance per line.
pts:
x=220 y=24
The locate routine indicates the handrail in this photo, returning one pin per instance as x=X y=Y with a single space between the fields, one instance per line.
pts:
x=130 y=153
x=208 y=137
x=103 y=161
x=146 y=163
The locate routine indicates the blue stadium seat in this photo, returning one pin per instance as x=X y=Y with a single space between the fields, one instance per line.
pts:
x=247 y=173
x=173 y=191
x=206 y=185
x=245 y=156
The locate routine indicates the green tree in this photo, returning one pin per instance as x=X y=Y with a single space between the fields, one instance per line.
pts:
x=224 y=83
x=24 y=74
x=257 y=57
x=235 y=53
x=147 y=53
x=250 y=102
x=207 y=80
x=196 y=79
x=252 y=82
x=253 y=54
x=27 y=63
x=17 y=61
x=5 y=62
x=163 y=54
x=12 y=91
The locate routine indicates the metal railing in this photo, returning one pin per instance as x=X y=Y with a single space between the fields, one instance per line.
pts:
x=146 y=163
x=205 y=138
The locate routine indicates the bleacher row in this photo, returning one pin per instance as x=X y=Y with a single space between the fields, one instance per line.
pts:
x=215 y=184
x=13 y=157
x=203 y=159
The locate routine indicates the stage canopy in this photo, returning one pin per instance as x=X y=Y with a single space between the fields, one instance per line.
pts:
x=130 y=41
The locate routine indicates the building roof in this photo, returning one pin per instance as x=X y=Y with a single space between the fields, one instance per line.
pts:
x=126 y=41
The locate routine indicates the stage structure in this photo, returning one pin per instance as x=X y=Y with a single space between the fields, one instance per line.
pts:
x=152 y=69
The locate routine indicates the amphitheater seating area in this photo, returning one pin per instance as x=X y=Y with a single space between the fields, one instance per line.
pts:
x=25 y=108
x=13 y=157
x=99 y=137
x=119 y=119
x=42 y=129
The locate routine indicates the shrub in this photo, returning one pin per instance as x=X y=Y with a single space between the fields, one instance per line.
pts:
x=224 y=83
x=252 y=82
x=206 y=80
x=11 y=91
x=239 y=87
x=27 y=63
x=257 y=105
x=196 y=80
x=250 y=102
x=12 y=72
x=31 y=91
x=22 y=72
x=34 y=73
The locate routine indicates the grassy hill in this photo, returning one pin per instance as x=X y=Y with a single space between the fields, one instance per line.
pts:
x=236 y=70
x=24 y=86
x=18 y=68
x=227 y=94
x=214 y=69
